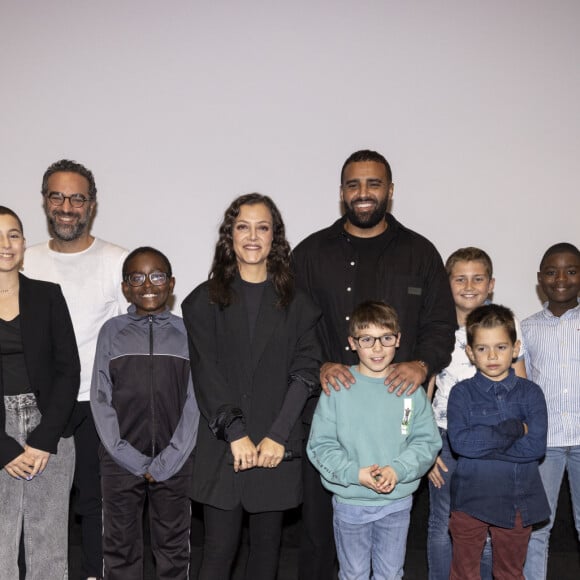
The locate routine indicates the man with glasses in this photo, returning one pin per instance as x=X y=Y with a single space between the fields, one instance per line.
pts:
x=89 y=271
x=368 y=255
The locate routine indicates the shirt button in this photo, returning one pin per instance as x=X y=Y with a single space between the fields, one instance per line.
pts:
x=346 y=348
x=349 y=289
x=352 y=263
x=347 y=317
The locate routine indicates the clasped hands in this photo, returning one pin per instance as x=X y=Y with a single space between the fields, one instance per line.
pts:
x=379 y=479
x=267 y=453
x=28 y=464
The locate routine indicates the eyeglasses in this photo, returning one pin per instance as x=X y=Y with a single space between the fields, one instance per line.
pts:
x=370 y=341
x=138 y=278
x=76 y=199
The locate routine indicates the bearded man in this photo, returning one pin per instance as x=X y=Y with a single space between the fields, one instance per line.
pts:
x=368 y=255
x=89 y=272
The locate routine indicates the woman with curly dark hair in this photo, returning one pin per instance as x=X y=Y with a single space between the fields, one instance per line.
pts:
x=255 y=361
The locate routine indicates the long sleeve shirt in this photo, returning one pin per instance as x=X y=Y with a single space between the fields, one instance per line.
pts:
x=497 y=469
x=364 y=425
x=553 y=362
x=142 y=394
x=409 y=275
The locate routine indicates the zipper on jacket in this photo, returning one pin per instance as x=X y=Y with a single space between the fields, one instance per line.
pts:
x=151 y=389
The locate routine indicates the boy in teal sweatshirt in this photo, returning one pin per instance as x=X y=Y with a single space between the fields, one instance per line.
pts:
x=372 y=448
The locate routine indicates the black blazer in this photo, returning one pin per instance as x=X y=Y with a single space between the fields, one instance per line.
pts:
x=228 y=370
x=52 y=363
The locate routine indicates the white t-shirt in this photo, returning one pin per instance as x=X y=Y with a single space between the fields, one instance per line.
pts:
x=91 y=283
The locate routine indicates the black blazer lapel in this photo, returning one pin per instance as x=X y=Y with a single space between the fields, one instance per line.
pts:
x=33 y=322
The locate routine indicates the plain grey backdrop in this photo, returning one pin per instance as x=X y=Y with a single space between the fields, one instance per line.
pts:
x=179 y=106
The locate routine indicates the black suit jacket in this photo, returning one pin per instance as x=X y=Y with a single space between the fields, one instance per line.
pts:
x=230 y=371
x=52 y=363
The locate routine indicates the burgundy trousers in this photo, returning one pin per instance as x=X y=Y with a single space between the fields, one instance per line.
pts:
x=509 y=547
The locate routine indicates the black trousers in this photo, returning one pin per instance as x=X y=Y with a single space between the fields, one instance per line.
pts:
x=223 y=530
x=124 y=497
x=317 y=560
x=87 y=483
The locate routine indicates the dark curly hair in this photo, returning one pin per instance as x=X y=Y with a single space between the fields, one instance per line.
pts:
x=224 y=266
x=68 y=166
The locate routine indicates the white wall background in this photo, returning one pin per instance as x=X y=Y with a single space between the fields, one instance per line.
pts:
x=179 y=106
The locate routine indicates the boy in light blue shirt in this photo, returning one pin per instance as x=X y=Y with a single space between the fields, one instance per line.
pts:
x=553 y=361
x=371 y=448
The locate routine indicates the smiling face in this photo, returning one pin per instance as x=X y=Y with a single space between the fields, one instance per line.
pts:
x=68 y=223
x=12 y=244
x=493 y=352
x=148 y=298
x=470 y=285
x=365 y=193
x=252 y=235
x=374 y=361
x=559 y=278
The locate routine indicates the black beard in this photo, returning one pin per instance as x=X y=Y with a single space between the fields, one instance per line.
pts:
x=66 y=233
x=366 y=220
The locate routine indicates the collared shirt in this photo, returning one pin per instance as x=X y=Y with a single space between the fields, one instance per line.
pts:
x=409 y=276
x=459 y=369
x=497 y=470
x=553 y=362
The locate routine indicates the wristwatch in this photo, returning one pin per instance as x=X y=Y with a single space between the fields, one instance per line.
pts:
x=425 y=366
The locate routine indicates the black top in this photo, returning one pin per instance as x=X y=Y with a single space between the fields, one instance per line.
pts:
x=253 y=292
x=234 y=377
x=52 y=364
x=369 y=253
x=14 y=378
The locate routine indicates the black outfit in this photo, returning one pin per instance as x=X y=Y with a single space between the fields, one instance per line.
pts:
x=242 y=388
x=14 y=377
x=87 y=486
x=52 y=365
x=409 y=275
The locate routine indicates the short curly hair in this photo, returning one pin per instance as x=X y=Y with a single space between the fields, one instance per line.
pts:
x=69 y=166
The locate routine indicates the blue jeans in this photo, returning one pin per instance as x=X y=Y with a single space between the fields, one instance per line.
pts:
x=381 y=542
x=552 y=471
x=38 y=507
x=439 y=548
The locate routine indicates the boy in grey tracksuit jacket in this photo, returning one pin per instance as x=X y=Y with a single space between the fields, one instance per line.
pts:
x=146 y=415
